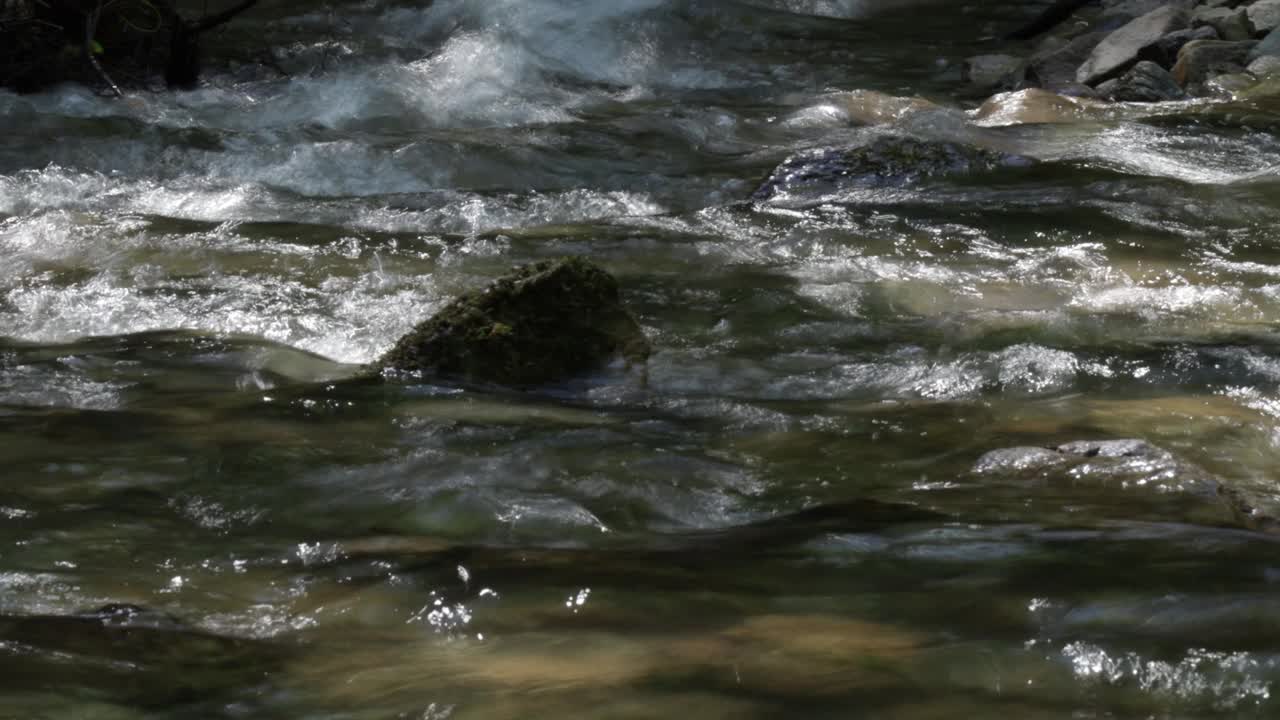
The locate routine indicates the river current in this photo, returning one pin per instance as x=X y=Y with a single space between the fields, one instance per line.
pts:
x=187 y=278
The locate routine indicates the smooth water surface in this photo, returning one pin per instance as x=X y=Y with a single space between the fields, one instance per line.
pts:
x=188 y=280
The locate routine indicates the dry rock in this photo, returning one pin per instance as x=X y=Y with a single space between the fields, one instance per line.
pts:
x=1164 y=52
x=1202 y=59
x=1264 y=15
x=1231 y=23
x=1144 y=82
x=1119 y=50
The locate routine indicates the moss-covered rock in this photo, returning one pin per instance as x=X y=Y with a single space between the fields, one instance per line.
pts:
x=543 y=323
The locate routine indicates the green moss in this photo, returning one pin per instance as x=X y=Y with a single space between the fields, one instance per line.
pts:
x=543 y=323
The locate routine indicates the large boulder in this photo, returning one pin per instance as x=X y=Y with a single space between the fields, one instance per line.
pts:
x=1230 y=23
x=1120 y=49
x=1164 y=52
x=1055 y=67
x=1202 y=59
x=543 y=323
x=888 y=160
x=1264 y=15
x=1269 y=45
x=1105 y=476
x=1145 y=82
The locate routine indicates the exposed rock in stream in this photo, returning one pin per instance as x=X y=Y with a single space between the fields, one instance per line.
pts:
x=543 y=323
x=1125 y=464
x=887 y=160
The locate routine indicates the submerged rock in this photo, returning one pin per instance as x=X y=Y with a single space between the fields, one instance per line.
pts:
x=129 y=654
x=1124 y=461
x=887 y=160
x=543 y=323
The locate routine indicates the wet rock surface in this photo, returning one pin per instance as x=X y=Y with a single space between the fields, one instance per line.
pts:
x=129 y=653
x=1123 y=466
x=543 y=323
x=885 y=161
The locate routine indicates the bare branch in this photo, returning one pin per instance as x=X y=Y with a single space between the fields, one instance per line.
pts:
x=90 y=27
x=213 y=21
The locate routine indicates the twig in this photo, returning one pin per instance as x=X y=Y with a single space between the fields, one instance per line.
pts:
x=90 y=26
x=213 y=21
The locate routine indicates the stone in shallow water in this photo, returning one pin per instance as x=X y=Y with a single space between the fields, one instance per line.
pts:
x=888 y=160
x=543 y=323
x=1118 y=463
x=1016 y=459
x=128 y=653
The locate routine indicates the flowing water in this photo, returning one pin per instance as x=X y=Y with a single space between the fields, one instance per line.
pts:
x=188 y=278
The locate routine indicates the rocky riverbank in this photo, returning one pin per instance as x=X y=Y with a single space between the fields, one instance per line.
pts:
x=1138 y=51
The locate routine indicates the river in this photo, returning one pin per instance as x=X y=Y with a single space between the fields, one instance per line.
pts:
x=187 y=279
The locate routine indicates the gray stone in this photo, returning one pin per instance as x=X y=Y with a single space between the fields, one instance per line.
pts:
x=1231 y=23
x=1268 y=45
x=1106 y=88
x=1144 y=82
x=1164 y=52
x=1202 y=59
x=1125 y=465
x=1130 y=9
x=1265 y=66
x=994 y=72
x=543 y=323
x=1055 y=69
x=1264 y=15
x=888 y=160
x=1120 y=49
